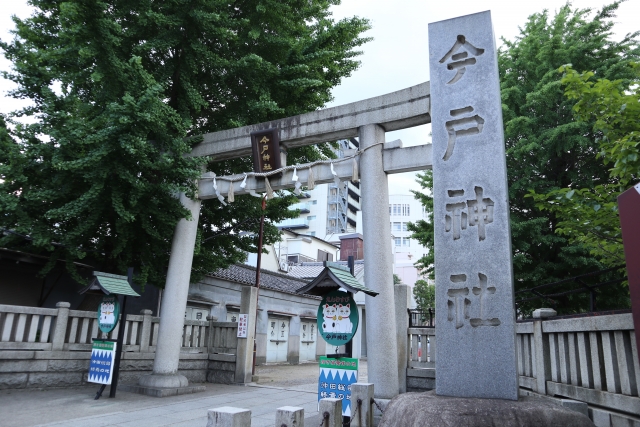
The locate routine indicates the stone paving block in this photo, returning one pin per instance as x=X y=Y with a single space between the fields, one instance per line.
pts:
x=262 y=422
x=161 y=420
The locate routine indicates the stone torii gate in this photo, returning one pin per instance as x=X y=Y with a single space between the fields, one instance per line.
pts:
x=475 y=353
x=369 y=120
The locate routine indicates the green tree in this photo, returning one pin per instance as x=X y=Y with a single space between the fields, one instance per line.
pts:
x=589 y=216
x=117 y=85
x=396 y=279
x=423 y=229
x=425 y=295
x=547 y=148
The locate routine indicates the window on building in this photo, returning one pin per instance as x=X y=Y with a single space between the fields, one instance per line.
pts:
x=311 y=217
x=406 y=242
x=397 y=226
x=314 y=202
x=399 y=209
x=404 y=226
x=398 y=241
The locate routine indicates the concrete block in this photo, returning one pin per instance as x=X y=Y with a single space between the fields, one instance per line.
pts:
x=331 y=411
x=68 y=366
x=193 y=356
x=228 y=416
x=222 y=366
x=231 y=358
x=185 y=365
x=136 y=364
x=138 y=356
x=575 y=405
x=161 y=391
x=221 y=377
x=543 y=313
x=16 y=355
x=289 y=416
x=14 y=380
x=361 y=396
x=474 y=271
x=55 y=379
x=619 y=420
x=599 y=417
x=63 y=355
x=23 y=366
x=195 y=375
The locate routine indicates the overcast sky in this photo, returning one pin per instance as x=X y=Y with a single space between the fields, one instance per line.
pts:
x=397 y=57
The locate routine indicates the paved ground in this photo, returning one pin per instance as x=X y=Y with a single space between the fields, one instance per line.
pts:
x=279 y=385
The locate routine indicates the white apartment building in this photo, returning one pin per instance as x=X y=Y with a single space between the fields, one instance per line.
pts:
x=404 y=209
x=329 y=210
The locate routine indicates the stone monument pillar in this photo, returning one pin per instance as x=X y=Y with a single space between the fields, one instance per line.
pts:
x=476 y=351
x=382 y=345
x=174 y=303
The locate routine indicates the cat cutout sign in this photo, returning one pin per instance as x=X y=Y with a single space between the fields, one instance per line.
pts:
x=108 y=313
x=337 y=318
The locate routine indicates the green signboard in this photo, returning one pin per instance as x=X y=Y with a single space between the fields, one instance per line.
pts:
x=108 y=313
x=337 y=318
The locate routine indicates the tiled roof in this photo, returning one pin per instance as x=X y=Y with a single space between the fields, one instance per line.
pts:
x=246 y=275
x=310 y=270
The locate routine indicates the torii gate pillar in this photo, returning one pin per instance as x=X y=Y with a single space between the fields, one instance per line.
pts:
x=174 y=300
x=378 y=275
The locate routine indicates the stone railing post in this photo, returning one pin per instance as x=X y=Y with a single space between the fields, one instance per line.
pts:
x=361 y=400
x=210 y=319
x=145 y=333
x=244 y=350
x=289 y=416
x=228 y=416
x=541 y=344
x=331 y=412
x=60 y=331
x=401 y=295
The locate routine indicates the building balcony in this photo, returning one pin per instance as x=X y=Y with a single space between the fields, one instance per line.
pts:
x=353 y=204
x=352 y=218
x=303 y=207
x=294 y=223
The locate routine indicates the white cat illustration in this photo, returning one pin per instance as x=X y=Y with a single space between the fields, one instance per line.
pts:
x=344 y=324
x=107 y=310
x=329 y=323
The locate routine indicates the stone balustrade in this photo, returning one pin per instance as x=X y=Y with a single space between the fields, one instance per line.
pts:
x=45 y=347
x=590 y=359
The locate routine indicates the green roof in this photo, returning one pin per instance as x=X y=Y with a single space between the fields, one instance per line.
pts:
x=332 y=278
x=111 y=284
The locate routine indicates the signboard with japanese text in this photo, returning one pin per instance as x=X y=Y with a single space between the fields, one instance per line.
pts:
x=242 y=325
x=265 y=146
x=336 y=377
x=337 y=318
x=108 y=313
x=103 y=354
